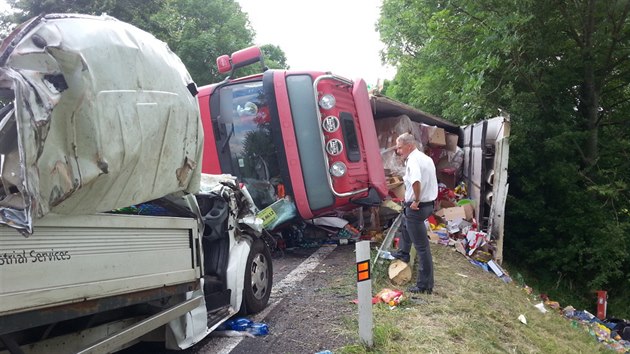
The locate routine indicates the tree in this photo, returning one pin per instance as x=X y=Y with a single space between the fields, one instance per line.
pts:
x=561 y=69
x=275 y=58
x=199 y=31
x=137 y=12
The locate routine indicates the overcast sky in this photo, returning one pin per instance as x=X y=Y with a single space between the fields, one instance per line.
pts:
x=327 y=35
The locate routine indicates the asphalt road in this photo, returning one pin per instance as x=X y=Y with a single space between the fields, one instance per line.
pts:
x=306 y=307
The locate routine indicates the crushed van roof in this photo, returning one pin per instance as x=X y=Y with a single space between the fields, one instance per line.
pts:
x=98 y=115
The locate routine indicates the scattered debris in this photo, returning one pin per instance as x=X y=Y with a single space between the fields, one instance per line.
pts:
x=391 y=297
x=386 y=255
x=242 y=324
x=541 y=307
x=522 y=319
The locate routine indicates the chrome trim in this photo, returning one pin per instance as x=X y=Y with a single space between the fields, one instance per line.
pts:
x=323 y=139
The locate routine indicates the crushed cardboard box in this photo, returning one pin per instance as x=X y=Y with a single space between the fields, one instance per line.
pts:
x=465 y=212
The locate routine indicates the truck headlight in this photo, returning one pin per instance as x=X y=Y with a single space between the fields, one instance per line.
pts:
x=330 y=124
x=334 y=147
x=338 y=169
x=327 y=101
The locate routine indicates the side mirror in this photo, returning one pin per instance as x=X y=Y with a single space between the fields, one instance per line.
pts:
x=239 y=59
x=246 y=56
x=223 y=64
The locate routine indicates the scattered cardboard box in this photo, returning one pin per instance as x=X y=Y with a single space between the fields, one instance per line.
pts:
x=396 y=187
x=433 y=237
x=496 y=268
x=475 y=239
x=397 y=190
x=450 y=214
x=448 y=176
x=469 y=210
x=438 y=235
x=460 y=246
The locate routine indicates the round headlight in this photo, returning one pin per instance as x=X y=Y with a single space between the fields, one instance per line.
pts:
x=330 y=124
x=334 y=147
x=338 y=169
x=327 y=101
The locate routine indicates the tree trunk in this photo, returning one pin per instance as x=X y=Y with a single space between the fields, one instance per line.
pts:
x=589 y=100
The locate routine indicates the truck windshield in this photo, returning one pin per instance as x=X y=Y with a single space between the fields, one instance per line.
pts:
x=243 y=137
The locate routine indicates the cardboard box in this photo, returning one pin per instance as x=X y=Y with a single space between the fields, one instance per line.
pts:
x=437 y=137
x=496 y=268
x=448 y=176
x=451 y=141
x=450 y=214
x=433 y=237
x=469 y=210
x=397 y=190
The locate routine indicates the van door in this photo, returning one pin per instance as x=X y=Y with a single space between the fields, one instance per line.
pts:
x=486 y=152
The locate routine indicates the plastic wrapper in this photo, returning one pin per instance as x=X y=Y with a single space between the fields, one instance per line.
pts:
x=387 y=295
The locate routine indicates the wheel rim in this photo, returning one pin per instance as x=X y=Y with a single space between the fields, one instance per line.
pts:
x=259 y=276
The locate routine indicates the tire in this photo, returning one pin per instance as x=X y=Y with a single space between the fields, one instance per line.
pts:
x=258 y=278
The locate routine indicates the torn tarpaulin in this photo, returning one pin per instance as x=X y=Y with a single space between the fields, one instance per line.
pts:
x=101 y=118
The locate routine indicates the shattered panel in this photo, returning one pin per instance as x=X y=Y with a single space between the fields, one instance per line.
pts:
x=101 y=118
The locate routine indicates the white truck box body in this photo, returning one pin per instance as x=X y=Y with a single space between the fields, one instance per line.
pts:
x=84 y=257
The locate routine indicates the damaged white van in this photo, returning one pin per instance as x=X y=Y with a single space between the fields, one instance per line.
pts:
x=109 y=233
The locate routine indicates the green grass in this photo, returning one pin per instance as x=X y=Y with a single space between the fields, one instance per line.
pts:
x=471 y=311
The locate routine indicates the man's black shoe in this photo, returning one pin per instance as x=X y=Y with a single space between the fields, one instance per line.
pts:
x=417 y=290
x=403 y=256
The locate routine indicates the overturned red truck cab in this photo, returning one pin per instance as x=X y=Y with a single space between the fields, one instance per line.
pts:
x=305 y=135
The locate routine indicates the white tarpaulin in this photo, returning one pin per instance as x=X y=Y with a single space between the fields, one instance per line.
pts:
x=99 y=115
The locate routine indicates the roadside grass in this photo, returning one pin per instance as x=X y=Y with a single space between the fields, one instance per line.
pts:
x=470 y=311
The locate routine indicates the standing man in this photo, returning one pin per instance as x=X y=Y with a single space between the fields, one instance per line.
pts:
x=421 y=190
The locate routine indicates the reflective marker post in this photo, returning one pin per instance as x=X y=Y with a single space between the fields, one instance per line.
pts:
x=364 y=290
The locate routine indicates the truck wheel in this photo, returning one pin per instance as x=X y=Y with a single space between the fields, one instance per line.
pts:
x=258 y=278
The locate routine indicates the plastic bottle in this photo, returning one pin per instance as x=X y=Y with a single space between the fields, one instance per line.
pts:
x=241 y=324
x=258 y=329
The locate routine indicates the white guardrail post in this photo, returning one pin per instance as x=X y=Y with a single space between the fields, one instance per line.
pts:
x=364 y=290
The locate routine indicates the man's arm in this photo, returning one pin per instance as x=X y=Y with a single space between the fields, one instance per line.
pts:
x=416 y=186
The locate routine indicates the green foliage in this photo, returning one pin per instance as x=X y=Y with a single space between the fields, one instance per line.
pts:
x=561 y=70
x=197 y=30
x=275 y=58
x=137 y=12
x=201 y=30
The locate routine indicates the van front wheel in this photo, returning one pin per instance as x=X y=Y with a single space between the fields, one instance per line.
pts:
x=258 y=278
